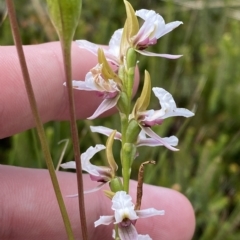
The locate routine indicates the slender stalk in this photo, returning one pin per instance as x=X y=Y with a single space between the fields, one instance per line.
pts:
x=39 y=126
x=66 y=49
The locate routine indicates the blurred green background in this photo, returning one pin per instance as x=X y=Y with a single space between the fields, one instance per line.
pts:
x=206 y=80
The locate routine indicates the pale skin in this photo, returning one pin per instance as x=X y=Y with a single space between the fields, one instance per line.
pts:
x=28 y=207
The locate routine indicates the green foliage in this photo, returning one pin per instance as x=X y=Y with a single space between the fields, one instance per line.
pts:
x=206 y=79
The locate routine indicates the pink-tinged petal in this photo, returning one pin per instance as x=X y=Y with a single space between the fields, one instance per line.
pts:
x=104 y=106
x=153 y=135
x=69 y=165
x=128 y=233
x=169 y=108
x=157 y=20
x=145 y=213
x=106 y=131
x=150 y=54
x=104 y=220
x=152 y=29
x=144 y=141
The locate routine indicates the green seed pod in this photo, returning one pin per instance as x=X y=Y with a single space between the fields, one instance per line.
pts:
x=129 y=151
x=131 y=58
x=133 y=131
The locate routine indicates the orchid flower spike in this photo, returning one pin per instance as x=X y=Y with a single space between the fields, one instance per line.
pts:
x=125 y=216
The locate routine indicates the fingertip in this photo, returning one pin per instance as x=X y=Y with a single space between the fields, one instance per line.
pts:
x=178 y=223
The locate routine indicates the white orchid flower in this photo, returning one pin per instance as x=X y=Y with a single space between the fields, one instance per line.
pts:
x=97 y=173
x=125 y=216
x=149 y=118
x=169 y=109
x=153 y=28
x=105 y=88
x=142 y=140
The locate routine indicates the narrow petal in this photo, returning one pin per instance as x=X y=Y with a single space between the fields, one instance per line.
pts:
x=104 y=220
x=150 y=54
x=169 y=108
x=128 y=233
x=91 y=151
x=81 y=85
x=153 y=135
x=72 y=196
x=100 y=172
x=149 y=212
x=146 y=14
x=165 y=99
x=180 y=112
x=111 y=53
x=95 y=189
x=169 y=27
x=104 y=106
x=105 y=131
x=69 y=165
x=151 y=142
x=88 y=191
x=91 y=47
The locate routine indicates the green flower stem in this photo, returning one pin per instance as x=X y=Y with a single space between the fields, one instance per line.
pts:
x=39 y=126
x=128 y=148
x=65 y=16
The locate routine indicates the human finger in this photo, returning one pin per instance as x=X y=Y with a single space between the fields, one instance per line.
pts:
x=45 y=65
x=29 y=209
